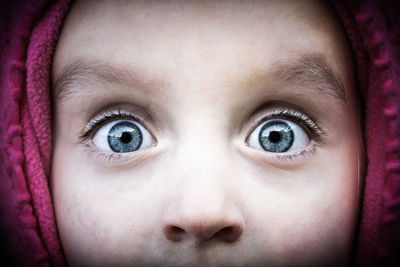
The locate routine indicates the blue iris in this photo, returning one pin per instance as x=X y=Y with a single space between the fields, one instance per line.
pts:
x=124 y=137
x=276 y=136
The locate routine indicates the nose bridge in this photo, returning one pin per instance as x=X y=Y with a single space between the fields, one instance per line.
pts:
x=202 y=143
x=201 y=178
x=203 y=159
x=200 y=111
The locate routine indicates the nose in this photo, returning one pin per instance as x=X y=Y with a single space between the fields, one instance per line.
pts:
x=203 y=229
x=203 y=199
x=203 y=214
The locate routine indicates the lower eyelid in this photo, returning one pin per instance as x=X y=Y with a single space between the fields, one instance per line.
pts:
x=116 y=159
x=281 y=160
x=94 y=153
x=310 y=149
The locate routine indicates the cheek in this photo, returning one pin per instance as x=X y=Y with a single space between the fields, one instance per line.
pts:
x=307 y=215
x=101 y=217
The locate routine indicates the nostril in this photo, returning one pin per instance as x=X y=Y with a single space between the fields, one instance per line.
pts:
x=203 y=232
x=229 y=233
x=177 y=230
x=174 y=233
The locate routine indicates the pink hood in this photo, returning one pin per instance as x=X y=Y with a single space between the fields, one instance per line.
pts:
x=29 y=32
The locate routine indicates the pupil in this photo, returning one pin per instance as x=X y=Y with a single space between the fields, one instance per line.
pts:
x=274 y=137
x=126 y=137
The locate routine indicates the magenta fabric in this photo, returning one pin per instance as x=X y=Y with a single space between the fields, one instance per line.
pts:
x=373 y=29
x=27 y=211
x=27 y=44
x=36 y=119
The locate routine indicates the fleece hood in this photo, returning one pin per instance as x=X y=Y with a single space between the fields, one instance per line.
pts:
x=29 y=32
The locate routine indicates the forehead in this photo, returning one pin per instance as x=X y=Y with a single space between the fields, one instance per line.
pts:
x=204 y=37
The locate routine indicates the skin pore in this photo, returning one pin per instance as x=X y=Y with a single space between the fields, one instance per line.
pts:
x=203 y=83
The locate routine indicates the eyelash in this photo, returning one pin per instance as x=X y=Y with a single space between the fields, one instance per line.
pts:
x=98 y=121
x=311 y=125
x=107 y=116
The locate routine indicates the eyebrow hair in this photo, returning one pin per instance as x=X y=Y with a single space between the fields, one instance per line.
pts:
x=88 y=72
x=310 y=70
x=313 y=71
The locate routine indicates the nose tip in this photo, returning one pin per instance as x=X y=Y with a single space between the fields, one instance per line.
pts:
x=203 y=230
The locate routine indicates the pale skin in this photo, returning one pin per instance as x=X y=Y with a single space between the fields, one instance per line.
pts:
x=199 y=79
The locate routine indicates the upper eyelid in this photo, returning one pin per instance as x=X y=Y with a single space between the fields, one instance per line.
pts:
x=291 y=114
x=108 y=116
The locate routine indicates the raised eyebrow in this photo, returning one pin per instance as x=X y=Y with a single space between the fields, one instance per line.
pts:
x=309 y=70
x=312 y=71
x=85 y=73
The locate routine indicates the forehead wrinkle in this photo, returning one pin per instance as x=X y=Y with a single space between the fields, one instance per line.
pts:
x=85 y=73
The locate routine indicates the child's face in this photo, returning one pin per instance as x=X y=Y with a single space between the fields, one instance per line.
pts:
x=219 y=133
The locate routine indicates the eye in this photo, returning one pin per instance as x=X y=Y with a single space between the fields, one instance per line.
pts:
x=122 y=136
x=278 y=136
